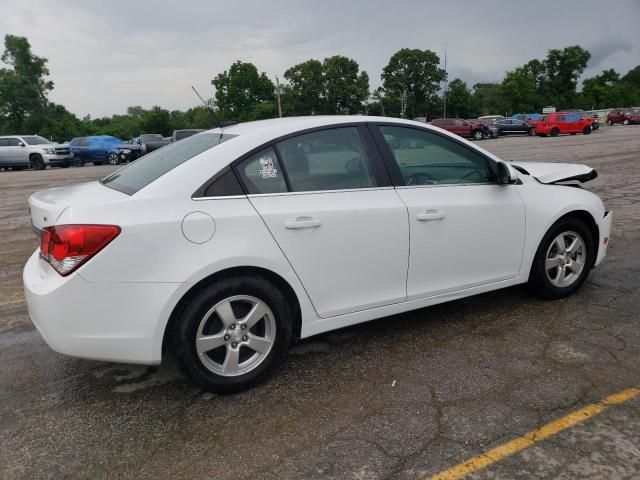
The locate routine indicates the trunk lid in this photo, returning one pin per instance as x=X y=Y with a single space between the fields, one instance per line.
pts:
x=556 y=172
x=46 y=206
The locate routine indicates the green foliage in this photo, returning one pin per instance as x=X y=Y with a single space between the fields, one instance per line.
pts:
x=417 y=73
x=240 y=90
x=23 y=87
x=458 y=99
x=306 y=90
x=345 y=87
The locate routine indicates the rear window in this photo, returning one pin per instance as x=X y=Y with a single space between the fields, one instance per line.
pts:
x=152 y=166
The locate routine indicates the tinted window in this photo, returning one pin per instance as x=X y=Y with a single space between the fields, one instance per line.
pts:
x=36 y=140
x=4 y=142
x=261 y=173
x=152 y=166
x=426 y=158
x=332 y=159
x=14 y=142
x=460 y=123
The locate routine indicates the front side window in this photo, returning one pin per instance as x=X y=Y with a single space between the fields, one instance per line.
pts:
x=334 y=159
x=261 y=173
x=425 y=158
x=4 y=142
x=14 y=142
x=152 y=166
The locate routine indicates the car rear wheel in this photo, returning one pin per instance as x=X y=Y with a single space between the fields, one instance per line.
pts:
x=37 y=163
x=478 y=135
x=554 y=132
x=563 y=259
x=586 y=130
x=233 y=334
x=113 y=158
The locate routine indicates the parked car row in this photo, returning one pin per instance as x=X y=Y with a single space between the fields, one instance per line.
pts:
x=625 y=116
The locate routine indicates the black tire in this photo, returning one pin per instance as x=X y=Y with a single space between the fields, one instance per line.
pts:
x=183 y=336
x=554 y=132
x=539 y=282
x=77 y=162
x=586 y=130
x=112 y=158
x=97 y=164
x=36 y=162
x=477 y=135
x=530 y=132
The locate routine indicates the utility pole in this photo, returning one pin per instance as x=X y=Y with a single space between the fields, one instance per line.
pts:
x=444 y=96
x=279 y=100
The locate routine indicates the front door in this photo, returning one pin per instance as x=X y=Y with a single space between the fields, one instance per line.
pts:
x=465 y=230
x=342 y=228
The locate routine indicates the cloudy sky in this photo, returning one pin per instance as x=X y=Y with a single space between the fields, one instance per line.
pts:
x=107 y=55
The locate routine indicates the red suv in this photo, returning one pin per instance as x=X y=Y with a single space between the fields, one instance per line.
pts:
x=618 y=115
x=558 y=123
x=461 y=127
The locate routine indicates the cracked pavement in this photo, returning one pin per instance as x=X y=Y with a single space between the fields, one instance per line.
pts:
x=402 y=397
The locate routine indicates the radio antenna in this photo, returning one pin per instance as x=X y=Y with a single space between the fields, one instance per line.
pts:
x=208 y=107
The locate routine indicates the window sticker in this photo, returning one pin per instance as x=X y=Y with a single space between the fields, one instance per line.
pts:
x=267 y=170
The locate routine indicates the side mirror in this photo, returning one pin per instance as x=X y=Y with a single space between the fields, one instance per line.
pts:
x=21 y=144
x=504 y=175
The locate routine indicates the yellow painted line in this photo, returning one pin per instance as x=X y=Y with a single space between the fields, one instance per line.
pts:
x=529 y=439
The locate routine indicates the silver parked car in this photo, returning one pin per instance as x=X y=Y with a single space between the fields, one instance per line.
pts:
x=32 y=151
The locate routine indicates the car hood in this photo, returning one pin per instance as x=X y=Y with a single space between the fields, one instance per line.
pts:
x=556 y=172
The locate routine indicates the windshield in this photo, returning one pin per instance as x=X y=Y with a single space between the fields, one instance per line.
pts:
x=138 y=175
x=35 y=140
x=151 y=137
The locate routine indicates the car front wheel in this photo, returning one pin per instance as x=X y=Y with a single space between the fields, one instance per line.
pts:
x=113 y=158
x=563 y=259
x=233 y=334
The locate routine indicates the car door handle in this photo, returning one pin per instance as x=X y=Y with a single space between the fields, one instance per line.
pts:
x=302 y=222
x=428 y=215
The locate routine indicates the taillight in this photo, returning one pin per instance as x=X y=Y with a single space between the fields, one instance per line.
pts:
x=66 y=247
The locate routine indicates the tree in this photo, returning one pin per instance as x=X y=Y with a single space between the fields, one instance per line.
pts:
x=458 y=99
x=156 y=120
x=415 y=72
x=520 y=86
x=305 y=92
x=488 y=99
x=23 y=86
x=346 y=87
x=562 y=68
x=240 y=90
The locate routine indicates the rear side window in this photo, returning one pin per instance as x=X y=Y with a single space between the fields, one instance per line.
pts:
x=334 y=159
x=152 y=166
x=261 y=173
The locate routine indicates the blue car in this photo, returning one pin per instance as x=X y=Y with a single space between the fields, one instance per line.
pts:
x=99 y=149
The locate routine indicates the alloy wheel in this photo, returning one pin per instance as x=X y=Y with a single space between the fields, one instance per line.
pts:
x=113 y=158
x=236 y=335
x=565 y=259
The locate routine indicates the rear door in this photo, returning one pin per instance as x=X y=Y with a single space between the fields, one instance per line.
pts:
x=327 y=200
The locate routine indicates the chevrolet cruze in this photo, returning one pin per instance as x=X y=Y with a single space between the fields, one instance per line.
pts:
x=226 y=247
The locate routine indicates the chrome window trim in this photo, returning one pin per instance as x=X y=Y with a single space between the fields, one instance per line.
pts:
x=404 y=187
x=319 y=192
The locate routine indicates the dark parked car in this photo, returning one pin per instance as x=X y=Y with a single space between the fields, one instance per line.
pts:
x=619 y=115
x=150 y=141
x=466 y=129
x=511 y=126
x=180 y=134
x=101 y=149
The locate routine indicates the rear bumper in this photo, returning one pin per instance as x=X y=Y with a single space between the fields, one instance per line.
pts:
x=605 y=237
x=120 y=322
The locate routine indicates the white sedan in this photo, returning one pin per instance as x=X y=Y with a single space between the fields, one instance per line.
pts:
x=226 y=247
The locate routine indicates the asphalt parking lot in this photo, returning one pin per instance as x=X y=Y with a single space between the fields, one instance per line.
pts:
x=404 y=397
